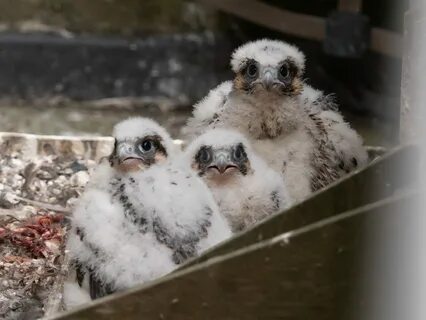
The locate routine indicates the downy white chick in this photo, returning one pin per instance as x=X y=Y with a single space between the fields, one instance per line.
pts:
x=139 y=143
x=245 y=188
x=268 y=103
x=146 y=222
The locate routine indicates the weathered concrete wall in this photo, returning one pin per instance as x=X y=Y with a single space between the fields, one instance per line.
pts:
x=84 y=50
x=124 y=17
x=178 y=67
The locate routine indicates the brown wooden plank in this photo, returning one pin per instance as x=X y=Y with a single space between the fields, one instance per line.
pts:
x=310 y=273
x=302 y=25
x=395 y=171
x=350 y=5
x=386 y=42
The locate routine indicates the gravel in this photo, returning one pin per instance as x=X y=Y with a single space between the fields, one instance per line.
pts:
x=36 y=196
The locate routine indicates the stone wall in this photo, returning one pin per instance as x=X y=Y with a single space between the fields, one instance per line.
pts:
x=106 y=17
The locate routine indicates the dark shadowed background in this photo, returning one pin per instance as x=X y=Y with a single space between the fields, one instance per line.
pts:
x=77 y=67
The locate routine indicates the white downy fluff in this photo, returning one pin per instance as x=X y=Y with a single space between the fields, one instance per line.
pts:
x=74 y=295
x=207 y=110
x=177 y=199
x=125 y=256
x=269 y=52
x=103 y=238
x=346 y=141
x=142 y=225
x=139 y=127
x=310 y=97
x=246 y=199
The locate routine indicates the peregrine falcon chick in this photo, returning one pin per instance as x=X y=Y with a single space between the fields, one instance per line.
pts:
x=245 y=188
x=139 y=144
x=270 y=104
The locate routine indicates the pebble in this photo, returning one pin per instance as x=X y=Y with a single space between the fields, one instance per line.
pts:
x=51 y=179
x=80 y=178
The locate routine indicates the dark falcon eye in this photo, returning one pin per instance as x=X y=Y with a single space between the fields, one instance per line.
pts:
x=146 y=146
x=204 y=155
x=284 y=71
x=252 y=70
x=239 y=153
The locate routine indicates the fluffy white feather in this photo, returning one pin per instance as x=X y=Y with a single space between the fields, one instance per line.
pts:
x=217 y=138
x=175 y=198
x=269 y=52
x=74 y=295
x=137 y=127
x=141 y=226
x=207 y=110
x=311 y=96
x=104 y=240
x=344 y=139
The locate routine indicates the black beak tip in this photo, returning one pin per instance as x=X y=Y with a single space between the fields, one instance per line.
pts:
x=267 y=85
x=222 y=169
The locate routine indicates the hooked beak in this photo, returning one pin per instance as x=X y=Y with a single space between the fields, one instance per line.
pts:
x=268 y=78
x=130 y=161
x=127 y=158
x=222 y=163
x=125 y=152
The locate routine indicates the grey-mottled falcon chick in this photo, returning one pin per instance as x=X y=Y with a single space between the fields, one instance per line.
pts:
x=139 y=144
x=245 y=188
x=270 y=103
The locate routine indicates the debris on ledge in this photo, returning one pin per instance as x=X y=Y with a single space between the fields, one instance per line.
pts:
x=40 y=180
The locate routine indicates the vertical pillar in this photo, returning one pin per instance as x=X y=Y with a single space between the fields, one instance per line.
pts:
x=413 y=86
